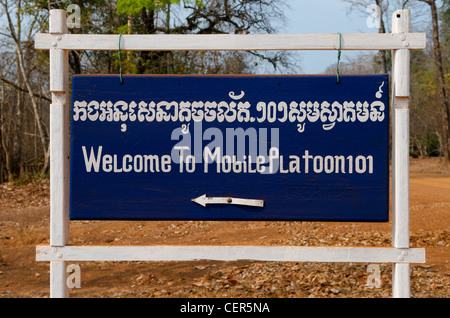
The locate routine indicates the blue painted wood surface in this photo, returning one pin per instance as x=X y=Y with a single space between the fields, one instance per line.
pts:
x=312 y=118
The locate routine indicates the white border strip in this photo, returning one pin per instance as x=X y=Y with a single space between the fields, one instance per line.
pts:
x=230 y=42
x=230 y=253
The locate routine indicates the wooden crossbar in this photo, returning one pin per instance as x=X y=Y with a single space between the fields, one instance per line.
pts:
x=230 y=42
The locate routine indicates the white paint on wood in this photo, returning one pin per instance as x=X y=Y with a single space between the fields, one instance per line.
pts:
x=401 y=24
x=59 y=153
x=58 y=277
x=58 y=21
x=230 y=253
x=204 y=200
x=59 y=139
x=230 y=42
x=401 y=281
x=401 y=73
x=58 y=176
x=57 y=81
x=400 y=176
x=400 y=215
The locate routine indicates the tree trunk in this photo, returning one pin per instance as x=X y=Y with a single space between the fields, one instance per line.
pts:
x=443 y=94
x=130 y=31
x=167 y=32
x=148 y=19
x=382 y=29
x=33 y=100
x=3 y=135
x=75 y=62
x=19 y=124
x=15 y=31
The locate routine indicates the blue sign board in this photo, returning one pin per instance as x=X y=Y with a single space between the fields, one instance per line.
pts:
x=230 y=148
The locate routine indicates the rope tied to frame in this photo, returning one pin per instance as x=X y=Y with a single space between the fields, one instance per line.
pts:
x=120 y=61
x=339 y=58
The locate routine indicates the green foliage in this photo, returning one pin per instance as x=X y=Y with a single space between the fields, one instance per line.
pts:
x=444 y=15
x=445 y=12
x=427 y=116
x=136 y=6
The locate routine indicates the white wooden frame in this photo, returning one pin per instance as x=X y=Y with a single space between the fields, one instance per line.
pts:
x=59 y=42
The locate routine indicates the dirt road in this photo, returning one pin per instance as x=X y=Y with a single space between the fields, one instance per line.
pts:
x=24 y=223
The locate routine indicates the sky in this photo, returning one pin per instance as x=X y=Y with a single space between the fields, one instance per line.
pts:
x=324 y=16
x=332 y=16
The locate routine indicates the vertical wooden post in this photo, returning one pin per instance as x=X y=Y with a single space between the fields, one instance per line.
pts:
x=400 y=154
x=59 y=153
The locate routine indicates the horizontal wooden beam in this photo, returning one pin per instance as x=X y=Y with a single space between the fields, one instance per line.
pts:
x=230 y=253
x=230 y=42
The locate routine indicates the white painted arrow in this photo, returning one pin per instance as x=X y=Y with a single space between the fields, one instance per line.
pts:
x=203 y=200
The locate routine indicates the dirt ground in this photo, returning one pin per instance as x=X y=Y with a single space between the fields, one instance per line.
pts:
x=24 y=223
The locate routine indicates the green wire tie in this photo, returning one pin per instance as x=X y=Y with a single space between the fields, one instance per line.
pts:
x=120 y=61
x=339 y=57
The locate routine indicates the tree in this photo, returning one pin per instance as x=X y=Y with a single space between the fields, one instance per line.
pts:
x=360 y=64
x=16 y=28
x=429 y=78
x=24 y=86
x=202 y=17
x=443 y=91
x=381 y=10
x=426 y=131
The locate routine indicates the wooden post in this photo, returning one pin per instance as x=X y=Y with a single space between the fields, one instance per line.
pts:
x=400 y=154
x=59 y=153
